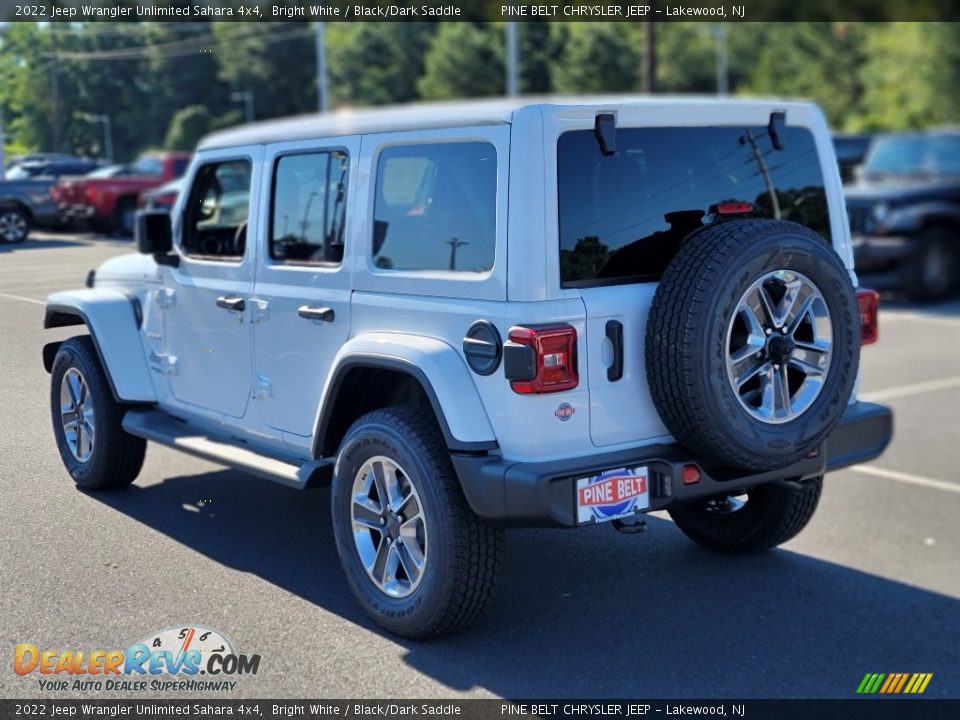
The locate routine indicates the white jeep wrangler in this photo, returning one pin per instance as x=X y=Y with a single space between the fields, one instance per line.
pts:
x=480 y=315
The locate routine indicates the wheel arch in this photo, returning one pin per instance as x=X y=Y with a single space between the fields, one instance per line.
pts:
x=14 y=203
x=112 y=319
x=367 y=376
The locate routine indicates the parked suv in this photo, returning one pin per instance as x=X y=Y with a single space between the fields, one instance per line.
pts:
x=905 y=212
x=472 y=316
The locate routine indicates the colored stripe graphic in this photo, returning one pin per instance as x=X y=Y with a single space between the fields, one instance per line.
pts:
x=894 y=683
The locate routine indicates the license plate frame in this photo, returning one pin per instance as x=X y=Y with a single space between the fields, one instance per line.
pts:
x=612 y=494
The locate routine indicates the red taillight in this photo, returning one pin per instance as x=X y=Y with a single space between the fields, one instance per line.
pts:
x=868 y=303
x=734 y=208
x=91 y=195
x=554 y=362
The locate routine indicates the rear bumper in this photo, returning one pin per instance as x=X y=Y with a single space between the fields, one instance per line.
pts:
x=540 y=494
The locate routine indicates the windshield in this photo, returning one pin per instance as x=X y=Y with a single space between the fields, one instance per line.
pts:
x=914 y=156
x=23 y=172
x=109 y=171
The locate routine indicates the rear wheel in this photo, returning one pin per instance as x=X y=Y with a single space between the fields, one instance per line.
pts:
x=97 y=452
x=752 y=344
x=752 y=521
x=418 y=560
x=14 y=225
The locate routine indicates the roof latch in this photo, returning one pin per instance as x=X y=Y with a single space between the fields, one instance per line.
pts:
x=605 y=128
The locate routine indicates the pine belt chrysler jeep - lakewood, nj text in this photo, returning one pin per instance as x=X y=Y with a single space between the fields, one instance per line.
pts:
x=472 y=316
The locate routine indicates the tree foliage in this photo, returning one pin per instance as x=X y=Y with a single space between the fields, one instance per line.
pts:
x=165 y=84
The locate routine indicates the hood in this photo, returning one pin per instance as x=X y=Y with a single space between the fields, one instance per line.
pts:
x=134 y=267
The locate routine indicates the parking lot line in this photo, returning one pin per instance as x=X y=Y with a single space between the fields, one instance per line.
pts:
x=912 y=389
x=902 y=315
x=23 y=299
x=906 y=478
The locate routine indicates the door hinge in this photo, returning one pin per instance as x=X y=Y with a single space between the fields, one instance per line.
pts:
x=163 y=363
x=164 y=298
x=263 y=389
x=259 y=311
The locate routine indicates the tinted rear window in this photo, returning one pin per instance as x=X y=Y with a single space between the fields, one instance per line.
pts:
x=623 y=217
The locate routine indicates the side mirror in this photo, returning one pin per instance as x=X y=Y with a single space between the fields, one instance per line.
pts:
x=154 y=235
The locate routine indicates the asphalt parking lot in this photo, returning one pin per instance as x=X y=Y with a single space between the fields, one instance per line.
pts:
x=872 y=585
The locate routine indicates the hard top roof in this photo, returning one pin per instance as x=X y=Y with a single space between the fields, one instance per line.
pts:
x=427 y=116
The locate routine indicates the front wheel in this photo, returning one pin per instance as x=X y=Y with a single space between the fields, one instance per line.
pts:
x=757 y=519
x=87 y=421
x=14 y=225
x=416 y=557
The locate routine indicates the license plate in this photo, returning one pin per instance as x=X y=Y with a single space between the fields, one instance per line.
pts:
x=612 y=494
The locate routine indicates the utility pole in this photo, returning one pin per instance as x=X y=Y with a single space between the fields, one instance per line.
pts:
x=323 y=91
x=513 y=83
x=54 y=89
x=719 y=33
x=765 y=171
x=649 y=56
x=454 y=243
x=246 y=97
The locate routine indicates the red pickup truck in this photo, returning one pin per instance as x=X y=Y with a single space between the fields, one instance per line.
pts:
x=110 y=203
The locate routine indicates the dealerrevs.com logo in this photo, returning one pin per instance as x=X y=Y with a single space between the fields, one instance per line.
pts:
x=172 y=659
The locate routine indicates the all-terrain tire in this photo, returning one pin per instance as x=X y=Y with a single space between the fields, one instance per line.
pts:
x=114 y=458
x=689 y=333
x=772 y=514
x=463 y=554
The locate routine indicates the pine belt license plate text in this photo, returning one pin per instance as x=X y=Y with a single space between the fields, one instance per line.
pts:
x=612 y=494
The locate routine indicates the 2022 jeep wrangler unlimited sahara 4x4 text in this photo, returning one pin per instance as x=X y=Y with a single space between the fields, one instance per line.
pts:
x=493 y=314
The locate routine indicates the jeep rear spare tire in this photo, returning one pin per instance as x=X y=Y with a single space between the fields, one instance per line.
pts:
x=753 y=343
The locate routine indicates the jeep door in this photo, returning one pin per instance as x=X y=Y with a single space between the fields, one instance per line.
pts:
x=302 y=290
x=207 y=328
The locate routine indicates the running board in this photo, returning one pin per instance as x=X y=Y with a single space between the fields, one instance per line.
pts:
x=161 y=428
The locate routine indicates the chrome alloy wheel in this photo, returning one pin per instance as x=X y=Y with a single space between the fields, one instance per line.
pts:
x=779 y=345
x=77 y=415
x=13 y=227
x=389 y=526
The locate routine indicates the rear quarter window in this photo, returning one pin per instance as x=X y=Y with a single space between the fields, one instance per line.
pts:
x=623 y=217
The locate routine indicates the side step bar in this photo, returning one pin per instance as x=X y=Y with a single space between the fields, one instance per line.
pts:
x=161 y=428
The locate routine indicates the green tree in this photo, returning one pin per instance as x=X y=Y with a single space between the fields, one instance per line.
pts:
x=911 y=77
x=597 y=57
x=376 y=63
x=819 y=61
x=187 y=127
x=464 y=60
x=275 y=61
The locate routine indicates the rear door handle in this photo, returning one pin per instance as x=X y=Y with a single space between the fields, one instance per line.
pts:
x=308 y=312
x=615 y=336
x=231 y=303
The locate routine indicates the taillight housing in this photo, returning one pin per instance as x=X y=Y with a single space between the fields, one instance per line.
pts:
x=541 y=358
x=91 y=195
x=868 y=303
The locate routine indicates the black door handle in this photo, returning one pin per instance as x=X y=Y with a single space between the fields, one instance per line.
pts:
x=231 y=303
x=316 y=313
x=615 y=336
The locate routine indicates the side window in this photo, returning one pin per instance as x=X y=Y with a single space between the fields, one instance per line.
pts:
x=148 y=166
x=215 y=221
x=309 y=207
x=435 y=207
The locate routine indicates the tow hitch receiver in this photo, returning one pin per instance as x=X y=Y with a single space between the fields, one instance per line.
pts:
x=629 y=525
